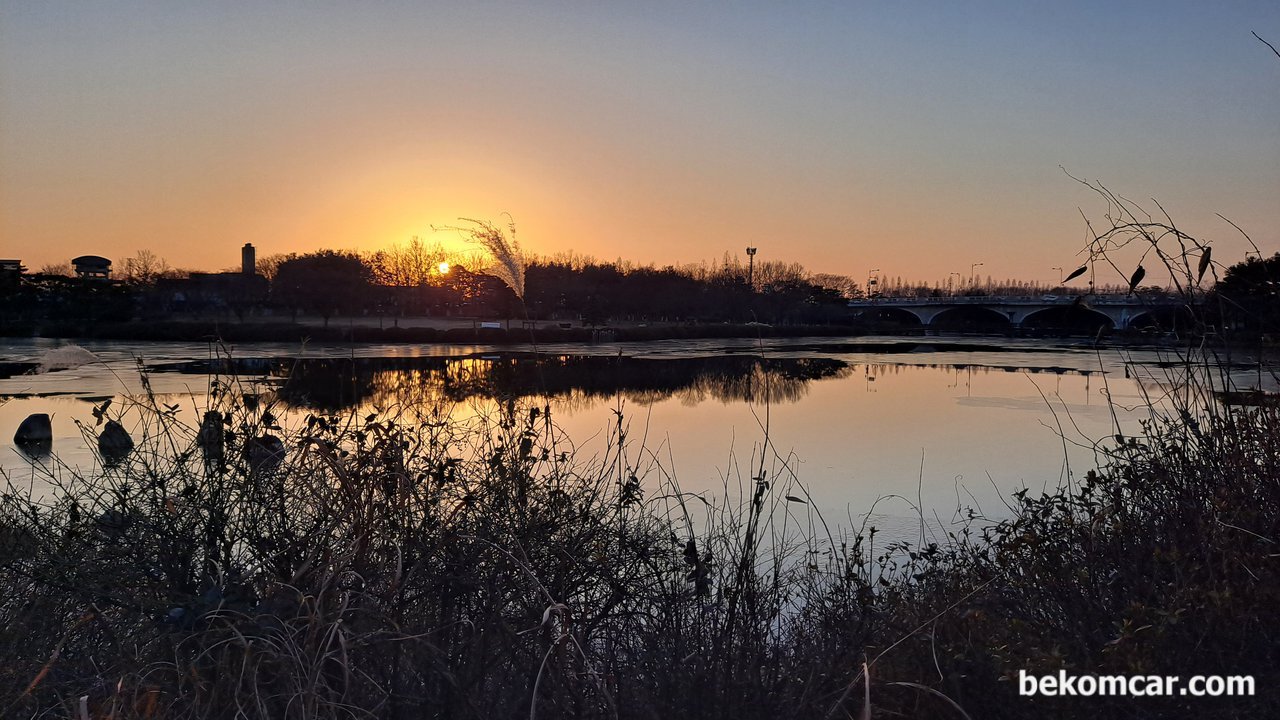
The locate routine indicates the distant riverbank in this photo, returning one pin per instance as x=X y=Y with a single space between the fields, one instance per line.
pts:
x=466 y=330
x=416 y=330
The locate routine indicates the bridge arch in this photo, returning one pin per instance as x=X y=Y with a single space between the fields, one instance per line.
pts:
x=1165 y=319
x=1069 y=318
x=971 y=318
x=888 y=315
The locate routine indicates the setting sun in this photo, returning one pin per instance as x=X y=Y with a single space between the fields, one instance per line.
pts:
x=444 y=268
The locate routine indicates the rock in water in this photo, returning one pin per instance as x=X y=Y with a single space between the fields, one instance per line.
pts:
x=211 y=437
x=114 y=442
x=265 y=453
x=113 y=524
x=34 y=429
x=35 y=435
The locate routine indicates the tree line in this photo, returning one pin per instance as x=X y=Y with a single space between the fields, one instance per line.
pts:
x=417 y=278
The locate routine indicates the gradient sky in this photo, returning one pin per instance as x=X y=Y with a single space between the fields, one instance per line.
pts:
x=915 y=137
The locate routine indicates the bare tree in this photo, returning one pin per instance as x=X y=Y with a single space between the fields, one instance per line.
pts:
x=778 y=273
x=144 y=268
x=268 y=265
x=843 y=284
x=410 y=265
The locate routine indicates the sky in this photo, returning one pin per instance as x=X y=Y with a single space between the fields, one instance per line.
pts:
x=914 y=138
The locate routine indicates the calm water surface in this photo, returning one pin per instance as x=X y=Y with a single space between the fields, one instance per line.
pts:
x=872 y=425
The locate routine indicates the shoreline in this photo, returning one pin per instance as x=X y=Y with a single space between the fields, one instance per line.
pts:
x=470 y=331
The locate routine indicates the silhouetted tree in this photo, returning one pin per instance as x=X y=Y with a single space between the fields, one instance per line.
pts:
x=1248 y=295
x=844 y=285
x=324 y=282
x=144 y=268
x=593 y=291
x=413 y=264
x=268 y=265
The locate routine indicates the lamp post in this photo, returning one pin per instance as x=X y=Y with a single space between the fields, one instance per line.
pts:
x=951 y=289
x=1059 y=273
x=751 y=268
x=973 y=283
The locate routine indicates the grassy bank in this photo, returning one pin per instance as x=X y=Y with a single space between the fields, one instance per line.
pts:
x=422 y=565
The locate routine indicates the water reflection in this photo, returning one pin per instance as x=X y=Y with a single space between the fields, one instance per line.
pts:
x=575 y=381
x=946 y=425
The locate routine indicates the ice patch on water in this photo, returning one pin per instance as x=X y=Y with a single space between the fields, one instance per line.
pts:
x=67 y=357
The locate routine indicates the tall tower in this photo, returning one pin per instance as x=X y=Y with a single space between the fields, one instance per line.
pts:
x=248 y=260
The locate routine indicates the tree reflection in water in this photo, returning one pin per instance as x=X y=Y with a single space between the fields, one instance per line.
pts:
x=573 y=381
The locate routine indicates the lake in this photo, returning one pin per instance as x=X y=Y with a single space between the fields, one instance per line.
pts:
x=876 y=425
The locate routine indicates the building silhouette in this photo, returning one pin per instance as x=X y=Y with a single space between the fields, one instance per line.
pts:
x=92 y=267
x=238 y=292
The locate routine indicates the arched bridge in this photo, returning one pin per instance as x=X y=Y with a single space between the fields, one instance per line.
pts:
x=1118 y=311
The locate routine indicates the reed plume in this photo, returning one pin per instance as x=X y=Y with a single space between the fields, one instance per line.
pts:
x=507 y=261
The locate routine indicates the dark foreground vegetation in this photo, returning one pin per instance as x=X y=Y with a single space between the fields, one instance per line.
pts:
x=421 y=565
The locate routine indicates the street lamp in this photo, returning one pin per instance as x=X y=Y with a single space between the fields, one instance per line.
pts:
x=973 y=283
x=751 y=268
x=951 y=288
x=1059 y=273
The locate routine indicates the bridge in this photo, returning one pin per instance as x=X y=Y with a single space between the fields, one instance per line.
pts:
x=1120 y=312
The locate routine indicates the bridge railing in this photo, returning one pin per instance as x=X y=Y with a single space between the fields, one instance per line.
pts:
x=1137 y=300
